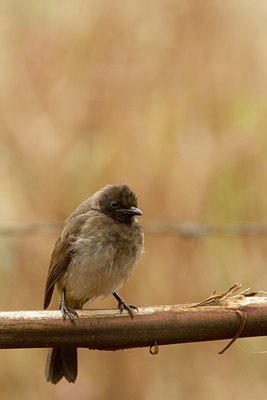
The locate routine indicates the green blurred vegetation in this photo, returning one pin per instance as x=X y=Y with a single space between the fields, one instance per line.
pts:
x=171 y=98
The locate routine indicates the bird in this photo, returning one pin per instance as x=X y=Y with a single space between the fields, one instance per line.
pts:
x=100 y=244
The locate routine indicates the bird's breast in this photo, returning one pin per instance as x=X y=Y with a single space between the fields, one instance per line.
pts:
x=101 y=263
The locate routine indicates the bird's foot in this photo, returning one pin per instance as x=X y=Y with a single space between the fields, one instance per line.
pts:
x=128 y=307
x=122 y=305
x=66 y=311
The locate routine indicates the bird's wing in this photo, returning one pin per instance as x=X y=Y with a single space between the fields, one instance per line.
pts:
x=62 y=254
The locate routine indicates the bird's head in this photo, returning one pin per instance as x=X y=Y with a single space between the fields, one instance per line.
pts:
x=118 y=202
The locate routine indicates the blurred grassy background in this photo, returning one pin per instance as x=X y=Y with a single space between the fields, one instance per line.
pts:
x=171 y=98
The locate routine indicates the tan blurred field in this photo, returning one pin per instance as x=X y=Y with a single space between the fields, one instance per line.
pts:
x=171 y=98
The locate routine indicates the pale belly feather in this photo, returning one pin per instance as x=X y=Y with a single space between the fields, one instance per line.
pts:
x=91 y=274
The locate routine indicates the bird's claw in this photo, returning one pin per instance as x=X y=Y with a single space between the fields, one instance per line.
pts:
x=128 y=307
x=68 y=312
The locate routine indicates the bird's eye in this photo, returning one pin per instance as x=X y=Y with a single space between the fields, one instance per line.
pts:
x=114 y=204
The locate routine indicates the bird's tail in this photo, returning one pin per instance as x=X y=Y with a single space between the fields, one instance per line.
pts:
x=61 y=362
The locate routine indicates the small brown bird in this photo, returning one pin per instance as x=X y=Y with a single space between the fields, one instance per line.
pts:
x=94 y=256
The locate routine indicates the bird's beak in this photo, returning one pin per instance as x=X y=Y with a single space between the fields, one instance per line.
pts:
x=133 y=211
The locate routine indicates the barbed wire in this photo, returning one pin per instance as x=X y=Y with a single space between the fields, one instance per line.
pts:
x=186 y=230
x=192 y=230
